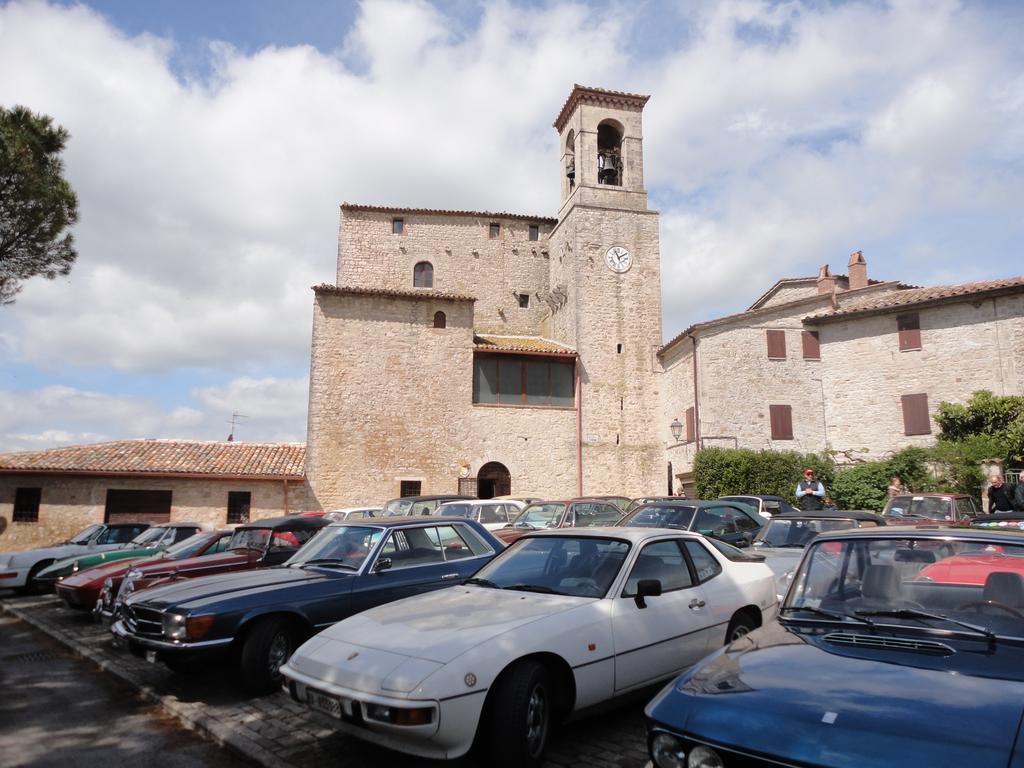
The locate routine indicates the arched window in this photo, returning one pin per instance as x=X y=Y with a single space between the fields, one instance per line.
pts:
x=440 y=321
x=609 y=153
x=570 y=158
x=423 y=275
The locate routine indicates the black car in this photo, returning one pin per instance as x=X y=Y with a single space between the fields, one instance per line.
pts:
x=417 y=505
x=766 y=506
x=730 y=521
x=258 y=618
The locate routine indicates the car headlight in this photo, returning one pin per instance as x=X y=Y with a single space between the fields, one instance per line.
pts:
x=704 y=757
x=174 y=626
x=74 y=567
x=667 y=751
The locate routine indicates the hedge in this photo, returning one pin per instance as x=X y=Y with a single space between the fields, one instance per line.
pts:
x=738 y=471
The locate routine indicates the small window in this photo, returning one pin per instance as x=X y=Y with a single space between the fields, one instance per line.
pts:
x=423 y=275
x=440 y=321
x=238 y=506
x=908 y=327
x=915 y=415
x=409 y=488
x=26 y=505
x=618 y=349
x=776 y=344
x=811 y=345
x=534 y=232
x=704 y=563
x=524 y=300
x=781 y=418
x=494 y=232
x=398 y=226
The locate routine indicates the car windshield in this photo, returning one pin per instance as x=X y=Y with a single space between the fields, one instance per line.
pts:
x=397 y=507
x=565 y=565
x=190 y=546
x=660 y=516
x=148 y=536
x=798 y=531
x=344 y=546
x=932 y=507
x=924 y=582
x=455 y=510
x=540 y=516
x=249 y=538
x=83 y=536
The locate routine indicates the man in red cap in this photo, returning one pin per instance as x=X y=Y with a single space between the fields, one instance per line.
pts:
x=810 y=492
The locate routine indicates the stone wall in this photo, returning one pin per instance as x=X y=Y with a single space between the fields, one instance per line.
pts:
x=69 y=503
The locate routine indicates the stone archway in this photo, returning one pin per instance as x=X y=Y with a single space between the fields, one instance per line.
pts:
x=492 y=480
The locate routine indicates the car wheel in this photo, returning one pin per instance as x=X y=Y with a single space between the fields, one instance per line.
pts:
x=520 y=719
x=740 y=626
x=265 y=650
x=31 y=588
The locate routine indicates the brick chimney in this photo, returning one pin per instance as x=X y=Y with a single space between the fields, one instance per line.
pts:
x=826 y=280
x=858 y=271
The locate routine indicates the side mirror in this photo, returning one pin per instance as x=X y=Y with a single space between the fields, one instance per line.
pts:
x=646 y=588
x=382 y=564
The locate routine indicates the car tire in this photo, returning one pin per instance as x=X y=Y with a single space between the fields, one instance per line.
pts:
x=520 y=719
x=30 y=587
x=741 y=625
x=266 y=648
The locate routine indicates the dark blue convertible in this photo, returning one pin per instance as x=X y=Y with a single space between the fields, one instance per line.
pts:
x=895 y=647
x=257 y=618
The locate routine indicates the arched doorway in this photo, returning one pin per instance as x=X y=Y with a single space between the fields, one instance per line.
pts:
x=492 y=480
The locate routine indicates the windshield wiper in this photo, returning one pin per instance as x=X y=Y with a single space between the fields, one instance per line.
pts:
x=909 y=613
x=331 y=561
x=534 y=588
x=481 y=582
x=828 y=614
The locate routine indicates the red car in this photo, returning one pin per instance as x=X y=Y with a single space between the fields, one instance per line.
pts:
x=578 y=513
x=972 y=567
x=82 y=589
x=256 y=544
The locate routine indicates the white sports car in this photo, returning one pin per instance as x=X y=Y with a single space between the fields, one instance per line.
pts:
x=559 y=621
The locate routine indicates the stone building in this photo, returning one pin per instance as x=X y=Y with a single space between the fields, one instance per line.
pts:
x=48 y=495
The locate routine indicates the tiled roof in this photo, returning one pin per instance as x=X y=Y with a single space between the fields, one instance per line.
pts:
x=444 y=212
x=535 y=344
x=843 y=279
x=597 y=96
x=916 y=297
x=425 y=294
x=165 y=457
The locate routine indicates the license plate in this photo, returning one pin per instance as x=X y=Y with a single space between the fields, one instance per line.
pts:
x=329 y=705
x=151 y=657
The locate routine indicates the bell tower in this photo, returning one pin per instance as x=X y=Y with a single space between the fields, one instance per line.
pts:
x=605 y=258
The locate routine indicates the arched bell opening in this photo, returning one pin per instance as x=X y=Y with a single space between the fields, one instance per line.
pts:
x=570 y=158
x=609 y=153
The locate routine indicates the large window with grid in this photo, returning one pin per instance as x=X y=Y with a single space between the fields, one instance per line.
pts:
x=26 y=505
x=524 y=380
x=238 y=506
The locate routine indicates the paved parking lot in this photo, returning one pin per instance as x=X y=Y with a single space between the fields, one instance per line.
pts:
x=275 y=731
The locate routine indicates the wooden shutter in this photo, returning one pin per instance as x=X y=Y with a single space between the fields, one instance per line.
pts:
x=776 y=344
x=781 y=417
x=690 y=426
x=915 y=415
x=811 y=345
x=909 y=329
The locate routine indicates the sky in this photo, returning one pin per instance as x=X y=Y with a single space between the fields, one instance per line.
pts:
x=212 y=143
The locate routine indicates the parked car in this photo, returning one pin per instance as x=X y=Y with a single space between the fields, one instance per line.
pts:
x=558 y=622
x=622 y=502
x=1002 y=520
x=257 y=619
x=782 y=541
x=574 y=513
x=491 y=514
x=83 y=589
x=258 y=544
x=352 y=513
x=731 y=521
x=19 y=569
x=418 y=505
x=765 y=506
x=641 y=500
x=527 y=499
x=879 y=658
x=929 y=508
x=154 y=539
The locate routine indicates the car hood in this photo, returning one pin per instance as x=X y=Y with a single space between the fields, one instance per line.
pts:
x=440 y=626
x=806 y=701
x=780 y=559
x=57 y=551
x=195 y=594
x=166 y=565
x=102 y=571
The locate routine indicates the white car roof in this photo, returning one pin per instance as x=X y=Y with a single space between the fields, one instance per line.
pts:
x=635 y=535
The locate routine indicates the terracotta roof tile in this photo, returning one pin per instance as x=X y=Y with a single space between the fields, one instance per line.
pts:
x=425 y=294
x=492 y=343
x=597 y=96
x=446 y=212
x=165 y=457
x=939 y=294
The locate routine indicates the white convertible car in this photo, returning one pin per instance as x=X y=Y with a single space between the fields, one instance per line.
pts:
x=559 y=621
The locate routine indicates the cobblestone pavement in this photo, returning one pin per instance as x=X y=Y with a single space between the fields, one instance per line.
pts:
x=277 y=732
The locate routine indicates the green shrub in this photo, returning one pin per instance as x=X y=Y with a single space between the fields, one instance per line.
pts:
x=731 y=471
x=865 y=485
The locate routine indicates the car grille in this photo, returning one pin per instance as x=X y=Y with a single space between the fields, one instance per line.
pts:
x=142 y=621
x=851 y=640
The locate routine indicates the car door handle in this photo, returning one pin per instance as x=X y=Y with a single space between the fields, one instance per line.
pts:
x=448 y=576
x=695 y=604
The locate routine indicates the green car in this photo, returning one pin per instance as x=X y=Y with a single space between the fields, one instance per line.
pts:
x=152 y=540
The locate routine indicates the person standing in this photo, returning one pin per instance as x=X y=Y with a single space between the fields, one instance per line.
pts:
x=896 y=486
x=810 y=492
x=999 y=495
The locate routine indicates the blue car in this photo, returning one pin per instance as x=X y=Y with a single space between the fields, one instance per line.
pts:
x=894 y=647
x=258 y=618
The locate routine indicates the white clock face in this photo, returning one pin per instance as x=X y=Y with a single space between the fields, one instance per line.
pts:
x=618 y=259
